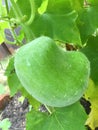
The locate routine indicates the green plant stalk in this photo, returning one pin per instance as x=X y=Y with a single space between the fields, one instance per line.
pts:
x=48 y=109
x=7 y=8
x=13 y=33
x=28 y=34
x=12 y=30
x=16 y=10
x=32 y=4
x=19 y=14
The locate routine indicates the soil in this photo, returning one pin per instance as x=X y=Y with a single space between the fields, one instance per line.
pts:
x=16 y=112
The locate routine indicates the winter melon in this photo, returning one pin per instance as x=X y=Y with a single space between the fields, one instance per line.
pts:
x=53 y=76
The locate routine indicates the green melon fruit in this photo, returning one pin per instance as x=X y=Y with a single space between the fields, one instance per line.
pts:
x=53 y=76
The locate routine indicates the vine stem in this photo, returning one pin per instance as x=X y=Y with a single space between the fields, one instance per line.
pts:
x=7 y=8
x=16 y=10
x=19 y=14
x=50 y=112
x=32 y=4
x=12 y=29
x=29 y=35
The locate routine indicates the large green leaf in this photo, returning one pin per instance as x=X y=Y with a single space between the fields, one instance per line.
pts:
x=66 y=118
x=60 y=27
x=57 y=21
x=59 y=6
x=91 y=51
x=50 y=74
x=88 y=22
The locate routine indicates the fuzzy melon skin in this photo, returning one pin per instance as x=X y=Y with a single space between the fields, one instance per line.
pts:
x=51 y=75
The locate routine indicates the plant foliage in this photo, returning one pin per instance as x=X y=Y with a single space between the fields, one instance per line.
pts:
x=44 y=69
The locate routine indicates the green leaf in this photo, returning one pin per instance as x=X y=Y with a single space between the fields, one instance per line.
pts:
x=10 y=67
x=88 y=22
x=5 y=124
x=59 y=7
x=91 y=51
x=64 y=6
x=38 y=3
x=77 y=4
x=25 y=9
x=59 y=27
x=31 y=100
x=53 y=76
x=58 y=21
x=21 y=99
x=66 y=118
x=13 y=81
x=15 y=85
